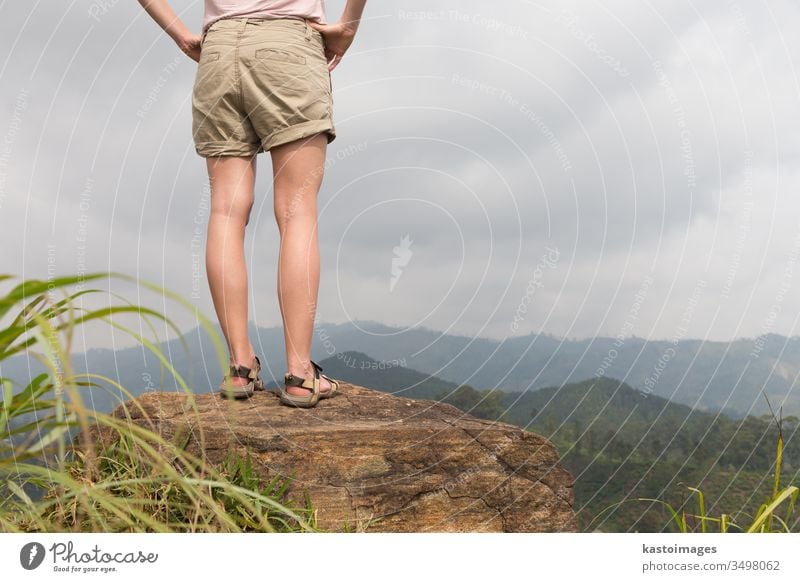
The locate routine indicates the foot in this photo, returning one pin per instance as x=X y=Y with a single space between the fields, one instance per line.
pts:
x=324 y=385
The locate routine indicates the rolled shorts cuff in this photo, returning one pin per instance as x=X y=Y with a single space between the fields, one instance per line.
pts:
x=299 y=131
x=210 y=149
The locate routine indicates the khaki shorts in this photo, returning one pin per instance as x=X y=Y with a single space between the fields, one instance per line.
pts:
x=260 y=83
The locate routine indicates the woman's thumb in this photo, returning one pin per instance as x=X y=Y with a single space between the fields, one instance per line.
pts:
x=316 y=25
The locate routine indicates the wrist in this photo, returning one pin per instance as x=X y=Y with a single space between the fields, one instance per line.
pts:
x=179 y=32
x=350 y=26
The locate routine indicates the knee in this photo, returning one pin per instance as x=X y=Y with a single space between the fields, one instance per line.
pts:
x=232 y=211
x=294 y=211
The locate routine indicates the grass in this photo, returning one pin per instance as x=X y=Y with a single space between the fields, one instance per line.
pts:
x=65 y=467
x=767 y=519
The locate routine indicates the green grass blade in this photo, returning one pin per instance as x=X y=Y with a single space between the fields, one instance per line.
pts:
x=767 y=510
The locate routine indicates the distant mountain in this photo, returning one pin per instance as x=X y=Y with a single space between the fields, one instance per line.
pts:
x=711 y=376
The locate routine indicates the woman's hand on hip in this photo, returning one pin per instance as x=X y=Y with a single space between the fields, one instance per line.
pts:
x=190 y=45
x=338 y=37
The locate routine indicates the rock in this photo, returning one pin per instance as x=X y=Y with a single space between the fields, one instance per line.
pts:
x=376 y=462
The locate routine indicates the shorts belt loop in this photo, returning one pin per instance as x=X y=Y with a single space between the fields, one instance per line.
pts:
x=244 y=24
x=308 y=29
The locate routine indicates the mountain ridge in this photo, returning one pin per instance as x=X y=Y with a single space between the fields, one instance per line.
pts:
x=706 y=375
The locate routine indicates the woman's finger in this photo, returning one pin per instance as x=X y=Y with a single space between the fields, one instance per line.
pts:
x=331 y=61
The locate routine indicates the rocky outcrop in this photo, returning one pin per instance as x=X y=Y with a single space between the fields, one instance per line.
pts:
x=371 y=461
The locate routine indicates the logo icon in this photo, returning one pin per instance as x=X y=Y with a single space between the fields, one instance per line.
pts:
x=402 y=255
x=31 y=555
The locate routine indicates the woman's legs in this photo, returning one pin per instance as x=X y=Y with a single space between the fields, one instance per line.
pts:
x=232 y=181
x=297 y=169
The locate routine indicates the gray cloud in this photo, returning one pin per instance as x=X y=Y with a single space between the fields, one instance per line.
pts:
x=484 y=133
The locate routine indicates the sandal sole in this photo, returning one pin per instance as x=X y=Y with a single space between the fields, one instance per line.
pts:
x=299 y=403
x=236 y=393
x=290 y=398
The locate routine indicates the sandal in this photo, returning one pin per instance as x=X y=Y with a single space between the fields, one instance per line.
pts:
x=313 y=384
x=229 y=390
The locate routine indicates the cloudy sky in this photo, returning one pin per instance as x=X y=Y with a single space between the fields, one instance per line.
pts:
x=574 y=168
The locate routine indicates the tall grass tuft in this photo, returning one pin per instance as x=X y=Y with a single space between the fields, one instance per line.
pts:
x=765 y=519
x=67 y=467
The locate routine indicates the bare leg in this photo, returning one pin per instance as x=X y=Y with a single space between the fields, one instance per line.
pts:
x=232 y=182
x=297 y=169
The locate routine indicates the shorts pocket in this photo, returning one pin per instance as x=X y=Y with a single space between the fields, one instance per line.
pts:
x=283 y=56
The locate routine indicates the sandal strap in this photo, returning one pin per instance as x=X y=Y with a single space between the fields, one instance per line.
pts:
x=334 y=383
x=240 y=371
x=292 y=380
x=245 y=372
x=310 y=384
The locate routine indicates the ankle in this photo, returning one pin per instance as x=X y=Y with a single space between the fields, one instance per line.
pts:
x=247 y=361
x=301 y=368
